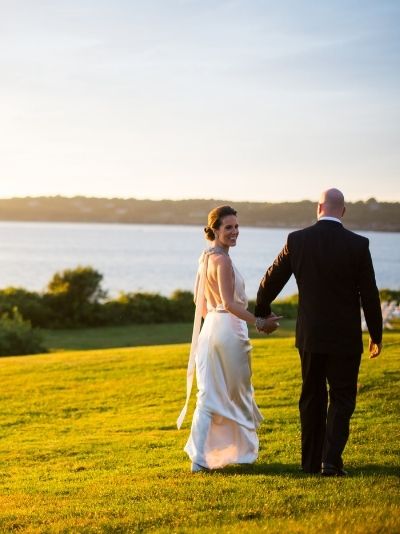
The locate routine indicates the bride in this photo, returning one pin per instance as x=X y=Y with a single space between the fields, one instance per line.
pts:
x=226 y=416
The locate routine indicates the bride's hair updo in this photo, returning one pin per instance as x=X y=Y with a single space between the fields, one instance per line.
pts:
x=215 y=220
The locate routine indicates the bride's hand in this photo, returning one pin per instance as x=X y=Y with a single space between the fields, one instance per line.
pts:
x=270 y=323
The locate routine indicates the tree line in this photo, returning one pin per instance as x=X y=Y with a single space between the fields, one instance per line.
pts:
x=74 y=298
x=368 y=215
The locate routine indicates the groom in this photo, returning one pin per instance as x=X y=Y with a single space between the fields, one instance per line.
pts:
x=334 y=274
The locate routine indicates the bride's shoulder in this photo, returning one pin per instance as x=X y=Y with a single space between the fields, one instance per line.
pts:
x=218 y=257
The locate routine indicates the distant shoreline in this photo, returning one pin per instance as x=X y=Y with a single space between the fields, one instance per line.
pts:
x=370 y=215
x=286 y=227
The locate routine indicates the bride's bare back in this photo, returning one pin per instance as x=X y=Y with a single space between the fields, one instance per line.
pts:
x=219 y=288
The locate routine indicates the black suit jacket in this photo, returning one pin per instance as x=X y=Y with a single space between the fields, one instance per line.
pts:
x=334 y=274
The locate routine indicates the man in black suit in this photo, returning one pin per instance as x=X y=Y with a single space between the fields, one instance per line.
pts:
x=334 y=274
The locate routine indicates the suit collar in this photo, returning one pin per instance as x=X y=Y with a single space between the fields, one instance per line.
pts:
x=330 y=219
x=327 y=218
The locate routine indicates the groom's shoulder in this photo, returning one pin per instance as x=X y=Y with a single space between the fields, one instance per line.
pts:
x=302 y=232
x=354 y=235
x=348 y=236
x=356 y=238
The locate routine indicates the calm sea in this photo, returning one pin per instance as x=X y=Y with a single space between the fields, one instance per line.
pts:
x=152 y=258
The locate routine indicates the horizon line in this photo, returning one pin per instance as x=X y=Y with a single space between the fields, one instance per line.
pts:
x=71 y=197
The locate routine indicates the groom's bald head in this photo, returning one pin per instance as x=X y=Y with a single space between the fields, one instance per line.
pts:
x=331 y=204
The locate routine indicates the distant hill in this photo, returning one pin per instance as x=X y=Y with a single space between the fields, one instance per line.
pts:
x=369 y=215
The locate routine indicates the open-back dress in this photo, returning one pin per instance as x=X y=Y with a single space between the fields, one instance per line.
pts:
x=226 y=416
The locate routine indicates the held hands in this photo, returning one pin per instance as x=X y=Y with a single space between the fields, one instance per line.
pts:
x=268 y=324
x=374 y=349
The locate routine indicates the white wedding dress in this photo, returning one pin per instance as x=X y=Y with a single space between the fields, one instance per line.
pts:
x=226 y=416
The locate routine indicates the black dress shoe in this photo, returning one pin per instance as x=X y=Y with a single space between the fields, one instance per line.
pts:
x=329 y=470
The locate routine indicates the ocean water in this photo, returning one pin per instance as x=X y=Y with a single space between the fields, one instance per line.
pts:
x=152 y=258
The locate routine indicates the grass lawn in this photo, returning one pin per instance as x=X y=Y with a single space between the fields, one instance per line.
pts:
x=117 y=336
x=134 y=335
x=89 y=444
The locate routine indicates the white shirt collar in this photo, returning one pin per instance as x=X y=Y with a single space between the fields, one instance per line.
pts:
x=326 y=218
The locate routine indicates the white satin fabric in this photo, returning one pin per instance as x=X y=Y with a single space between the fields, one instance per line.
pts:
x=226 y=416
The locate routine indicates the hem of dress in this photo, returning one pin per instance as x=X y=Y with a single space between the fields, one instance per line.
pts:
x=248 y=459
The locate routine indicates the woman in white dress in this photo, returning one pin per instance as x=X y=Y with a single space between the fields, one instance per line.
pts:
x=226 y=416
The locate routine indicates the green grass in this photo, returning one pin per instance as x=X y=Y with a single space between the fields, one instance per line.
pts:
x=117 y=336
x=89 y=444
x=134 y=335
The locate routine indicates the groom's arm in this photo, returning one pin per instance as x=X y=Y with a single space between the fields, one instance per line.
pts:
x=369 y=295
x=272 y=283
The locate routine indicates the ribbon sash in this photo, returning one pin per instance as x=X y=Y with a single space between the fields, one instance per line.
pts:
x=199 y=300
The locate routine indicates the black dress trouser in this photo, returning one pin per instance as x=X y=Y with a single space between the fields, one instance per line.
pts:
x=325 y=428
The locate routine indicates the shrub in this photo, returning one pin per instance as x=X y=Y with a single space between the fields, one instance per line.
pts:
x=74 y=297
x=182 y=306
x=17 y=336
x=286 y=307
x=140 y=308
x=114 y=312
x=30 y=305
x=389 y=295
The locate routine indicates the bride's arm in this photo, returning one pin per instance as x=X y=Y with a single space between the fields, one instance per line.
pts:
x=225 y=281
x=204 y=311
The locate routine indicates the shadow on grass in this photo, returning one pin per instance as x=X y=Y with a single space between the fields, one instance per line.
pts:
x=293 y=470
x=373 y=470
x=263 y=469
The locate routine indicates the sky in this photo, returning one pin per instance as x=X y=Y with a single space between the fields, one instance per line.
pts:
x=231 y=99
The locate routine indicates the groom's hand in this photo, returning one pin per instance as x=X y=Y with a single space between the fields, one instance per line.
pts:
x=374 y=349
x=271 y=323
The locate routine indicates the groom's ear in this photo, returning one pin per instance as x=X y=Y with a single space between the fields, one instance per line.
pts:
x=319 y=209
x=344 y=210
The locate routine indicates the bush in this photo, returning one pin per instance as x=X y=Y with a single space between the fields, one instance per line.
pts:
x=389 y=295
x=182 y=306
x=137 y=308
x=30 y=305
x=74 y=297
x=286 y=307
x=17 y=336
